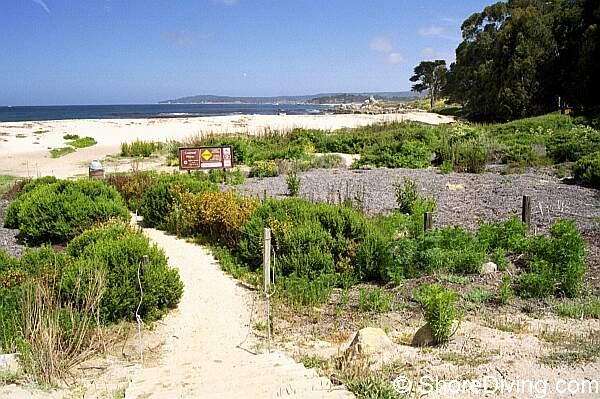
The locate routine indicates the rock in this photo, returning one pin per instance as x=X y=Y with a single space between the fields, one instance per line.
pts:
x=455 y=187
x=488 y=268
x=369 y=342
x=423 y=336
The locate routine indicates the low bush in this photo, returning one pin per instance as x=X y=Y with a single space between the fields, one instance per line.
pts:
x=140 y=148
x=132 y=186
x=83 y=142
x=61 y=151
x=440 y=311
x=375 y=300
x=160 y=197
x=218 y=216
x=262 y=169
x=556 y=265
x=293 y=183
x=509 y=235
x=118 y=251
x=301 y=292
x=71 y=136
x=451 y=250
x=406 y=194
x=505 y=291
x=587 y=170
x=232 y=177
x=57 y=212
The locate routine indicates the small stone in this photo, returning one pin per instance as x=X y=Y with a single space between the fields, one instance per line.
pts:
x=489 y=268
x=423 y=336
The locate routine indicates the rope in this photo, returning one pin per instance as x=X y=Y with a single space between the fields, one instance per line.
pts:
x=138 y=318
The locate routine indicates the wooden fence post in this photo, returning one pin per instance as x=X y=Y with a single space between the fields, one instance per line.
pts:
x=526 y=211
x=427 y=221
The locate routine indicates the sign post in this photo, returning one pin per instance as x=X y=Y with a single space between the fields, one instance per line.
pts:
x=198 y=158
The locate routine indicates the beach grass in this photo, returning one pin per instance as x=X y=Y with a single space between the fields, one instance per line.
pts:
x=5 y=182
x=61 y=152
x=83 y=142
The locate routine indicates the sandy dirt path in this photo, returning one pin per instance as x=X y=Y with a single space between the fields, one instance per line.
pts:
x=202 y=356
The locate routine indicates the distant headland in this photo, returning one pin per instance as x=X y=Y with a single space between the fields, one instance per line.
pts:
x=322 y=98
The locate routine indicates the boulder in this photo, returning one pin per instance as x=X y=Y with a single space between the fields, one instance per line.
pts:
x=370 y=342
x=489 y=268
x=423 y=336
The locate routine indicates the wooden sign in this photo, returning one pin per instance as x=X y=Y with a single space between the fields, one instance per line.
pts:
x=196 y=158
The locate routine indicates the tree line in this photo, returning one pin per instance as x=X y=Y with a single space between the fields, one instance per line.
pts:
x=520 y=58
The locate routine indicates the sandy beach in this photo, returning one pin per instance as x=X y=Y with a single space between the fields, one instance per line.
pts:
x=24 y=146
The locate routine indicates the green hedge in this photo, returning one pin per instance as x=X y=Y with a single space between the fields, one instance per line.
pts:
x=55 y=212
x=587 y=170
x=118 y=250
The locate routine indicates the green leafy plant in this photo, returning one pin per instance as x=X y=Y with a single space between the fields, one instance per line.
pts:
x=587 y=170
x=440 y=311
x=82 y=142
x=293 y=183
x=57 y=212
x=140 y=148
x=505 y=291
x=61 y=152
x=406 y=194
x=119 y=250
x=375 y=300
x=262 y=169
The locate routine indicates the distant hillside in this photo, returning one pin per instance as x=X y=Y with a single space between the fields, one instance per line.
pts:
x=323 y=98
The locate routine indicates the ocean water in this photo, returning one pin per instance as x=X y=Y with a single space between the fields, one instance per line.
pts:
x=61 y=112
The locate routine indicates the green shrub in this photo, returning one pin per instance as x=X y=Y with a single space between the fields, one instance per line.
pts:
x=61 y=152
x=406 y=194
x=159 y=198
x=440 y=312
x=293 y=183
x=59 y=211
x=585 y=308
x=470 y=156
x=232 y=177
x=71 y=136
x=119 y=250
x=327 y=161
x=262 y=169
x=132 y=186
x=479 y=295
x=83 y=142
x=573 y=144
x=302 y=292
x=215 y=215
x=11 y=330
x=371 y=387
x=140 y=148
x=451 y=250
x=556 y=264
x=505 y=291
x=375 y=300
x=508 y=235
x=587 y=170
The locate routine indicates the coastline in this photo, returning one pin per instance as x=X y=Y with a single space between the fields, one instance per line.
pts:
x=24 y=146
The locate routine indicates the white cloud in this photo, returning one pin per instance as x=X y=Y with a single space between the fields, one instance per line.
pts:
x=437 y=31
x=381 y=44
x=394 y=58
x=42 y=4
x=434 y=31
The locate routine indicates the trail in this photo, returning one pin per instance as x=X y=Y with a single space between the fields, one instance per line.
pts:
x=201 y=357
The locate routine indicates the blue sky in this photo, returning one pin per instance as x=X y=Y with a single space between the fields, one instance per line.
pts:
x=144 y=51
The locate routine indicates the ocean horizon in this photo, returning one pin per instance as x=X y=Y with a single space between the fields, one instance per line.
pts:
x=140 y=111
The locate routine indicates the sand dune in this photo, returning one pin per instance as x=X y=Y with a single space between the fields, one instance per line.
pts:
x=24 y=146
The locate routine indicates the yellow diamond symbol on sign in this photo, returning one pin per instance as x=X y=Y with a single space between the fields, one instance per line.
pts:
x=206 y=155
